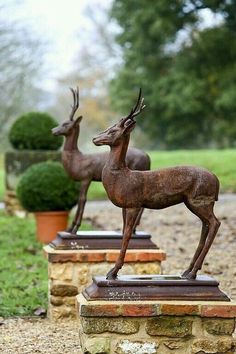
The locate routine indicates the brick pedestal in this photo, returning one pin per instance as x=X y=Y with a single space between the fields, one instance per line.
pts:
x=151 y=327
x=71 y=271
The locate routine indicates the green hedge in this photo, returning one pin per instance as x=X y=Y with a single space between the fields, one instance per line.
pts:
x=32 y=131
x=46 y=187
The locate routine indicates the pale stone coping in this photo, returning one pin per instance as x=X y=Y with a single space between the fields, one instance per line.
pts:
x=49 y=249
x=83 y=301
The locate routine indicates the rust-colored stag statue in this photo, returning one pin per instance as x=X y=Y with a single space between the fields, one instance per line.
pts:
x=196 y=187
x=88 y=167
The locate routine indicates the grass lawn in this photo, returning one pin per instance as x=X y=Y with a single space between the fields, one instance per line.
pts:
x=2 y=176
x=23 y=275
x=221 y=162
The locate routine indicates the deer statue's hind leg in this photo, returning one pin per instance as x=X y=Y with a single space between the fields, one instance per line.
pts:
x=201 y=244
x=131 y=215
x=124 y=219
x=205 y=213
x=137 y=221
x=80 y=207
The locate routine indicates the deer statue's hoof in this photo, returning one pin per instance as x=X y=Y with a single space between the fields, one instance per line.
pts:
x=112 y=274
x=185 y=273
x=74 y=230
x=191 y=275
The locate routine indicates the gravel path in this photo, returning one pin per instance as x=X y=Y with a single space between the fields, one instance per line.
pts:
x=175 y=230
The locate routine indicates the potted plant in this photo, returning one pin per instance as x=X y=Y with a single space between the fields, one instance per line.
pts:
x=30 y=136
x=49 y=193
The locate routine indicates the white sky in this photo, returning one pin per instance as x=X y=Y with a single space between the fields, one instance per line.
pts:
x=60 y=21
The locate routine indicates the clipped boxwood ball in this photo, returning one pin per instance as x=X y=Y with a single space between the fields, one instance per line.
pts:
x=45 y=186
x=32 y=131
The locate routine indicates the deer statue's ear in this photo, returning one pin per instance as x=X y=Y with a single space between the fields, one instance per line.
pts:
x=129 y=126
x=78 y=120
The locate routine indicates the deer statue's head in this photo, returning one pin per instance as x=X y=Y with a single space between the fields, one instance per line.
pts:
x=113 y=136
x=66 y=127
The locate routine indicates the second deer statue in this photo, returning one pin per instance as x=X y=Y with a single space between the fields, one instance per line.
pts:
x=88 y=167
x=196 y=187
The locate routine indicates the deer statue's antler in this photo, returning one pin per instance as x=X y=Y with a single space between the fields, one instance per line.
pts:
x=75 y=104
x=138 y=107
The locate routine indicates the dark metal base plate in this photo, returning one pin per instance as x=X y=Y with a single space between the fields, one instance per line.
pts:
x=100 y=240
x=155 y=287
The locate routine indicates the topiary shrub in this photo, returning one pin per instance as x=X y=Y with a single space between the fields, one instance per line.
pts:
x=32 y=131
x=46 y=187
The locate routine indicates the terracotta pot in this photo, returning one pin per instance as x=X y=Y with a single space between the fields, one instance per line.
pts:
x=49 y=223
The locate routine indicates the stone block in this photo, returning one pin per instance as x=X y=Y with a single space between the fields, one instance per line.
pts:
x=179 y=309
x=61 y=312
x=173 y=344
x=212 y=346
x=97 y=346
x=83 y=274
x=144 y=310
x=64 y=290
x=136 y=347
x=218 y=310
x=56 y=300
x=116 y=325
x=219 y=326
x=141 y=327
x=147 y=268
x=108 y=310
x=71 y=271
x=62 y=271
x=169 y=326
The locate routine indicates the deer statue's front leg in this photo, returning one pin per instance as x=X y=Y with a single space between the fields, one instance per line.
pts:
x=80 y=207
x=131 y=216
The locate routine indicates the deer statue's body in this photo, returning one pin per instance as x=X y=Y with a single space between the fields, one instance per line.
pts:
x=88 y=167
x=133 y=190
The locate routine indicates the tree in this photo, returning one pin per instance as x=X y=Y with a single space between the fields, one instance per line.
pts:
x=92 y=69
x=21 y=63
x=186 y=70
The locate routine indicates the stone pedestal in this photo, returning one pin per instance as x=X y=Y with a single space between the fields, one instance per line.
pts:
x=153 y=327
x=71 y=271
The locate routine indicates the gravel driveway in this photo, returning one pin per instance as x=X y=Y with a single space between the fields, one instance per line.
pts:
x=176 y=230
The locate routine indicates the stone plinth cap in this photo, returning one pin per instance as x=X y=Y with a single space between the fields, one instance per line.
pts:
x=60 y=256
x=155 y=308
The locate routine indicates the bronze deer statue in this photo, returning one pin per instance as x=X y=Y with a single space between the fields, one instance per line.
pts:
x=88 y=167
x=196 y=187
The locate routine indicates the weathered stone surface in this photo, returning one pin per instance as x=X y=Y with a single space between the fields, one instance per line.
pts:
x=83 y=274
x=99 y=268
x=97 y=346
x=212 y=346
x=169 y=326
x=64 y=290
x=60 y=271
x=219 y=326
x=61 y=312
x=174 y=344
x=106 y=310
x=92 y=325
x=147 y=268
x=223 y=311
x=137 y=255
x=179 y=309
x=144 y=310
x=56 y=300
x=136 y=347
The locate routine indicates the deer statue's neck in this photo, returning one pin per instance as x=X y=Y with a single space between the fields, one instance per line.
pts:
x=117 y=154
x=71 y=140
